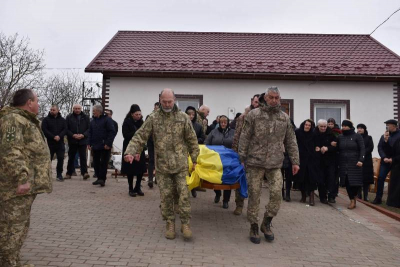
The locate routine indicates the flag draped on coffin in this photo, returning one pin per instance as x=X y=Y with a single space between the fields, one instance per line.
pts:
x=218 y=165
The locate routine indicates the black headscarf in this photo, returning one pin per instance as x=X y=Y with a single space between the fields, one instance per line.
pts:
x=195 y=113
x=227 y=126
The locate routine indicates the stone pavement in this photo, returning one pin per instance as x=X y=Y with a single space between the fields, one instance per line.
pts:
x=84 y=225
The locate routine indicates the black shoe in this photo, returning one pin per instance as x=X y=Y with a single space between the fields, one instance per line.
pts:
x=266 y=229
x=254 y=236
x=216 y=199
x=194 y=193
x=150 y=184
x=139 y=192
x=331 y=200
x=225 y=205
x=102 y=183
x=324 y=201
x=132 y=193
x=60 y=178
x=96 y=182
x=288 y=198
x=366 y=199
x=377 y=201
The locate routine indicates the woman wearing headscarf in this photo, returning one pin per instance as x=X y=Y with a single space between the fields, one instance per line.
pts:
x=351 y=157
x=222 y=136
x=307 y=177
x=367 y=168
x=133 y=121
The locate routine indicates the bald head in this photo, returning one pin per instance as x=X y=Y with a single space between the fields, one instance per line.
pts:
x=77 y=109
x=205 y=110
x=167 y=99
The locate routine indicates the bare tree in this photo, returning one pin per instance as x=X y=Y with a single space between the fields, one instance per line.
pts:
x=20 y=66
x=64 y=90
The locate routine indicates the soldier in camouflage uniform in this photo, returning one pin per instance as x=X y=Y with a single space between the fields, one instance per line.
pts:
x=202 y=115
x=239 y=126
x=174 y=139
x=25 y=171
x=266 y=134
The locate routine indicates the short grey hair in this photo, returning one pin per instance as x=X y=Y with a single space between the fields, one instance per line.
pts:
x=322 y=121
x=167 y=89
x=98 y=107
x=273 y=89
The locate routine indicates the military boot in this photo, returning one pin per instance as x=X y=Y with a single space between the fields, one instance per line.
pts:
x=238 y=210
x=170 y=230
x=266 y=229
x=254 y=236
x=185 y=229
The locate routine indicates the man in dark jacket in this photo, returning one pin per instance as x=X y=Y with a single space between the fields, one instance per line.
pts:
x=385 y=152
x=54 y=128
x=110 y=114
x=77 y=132
x=100 y=141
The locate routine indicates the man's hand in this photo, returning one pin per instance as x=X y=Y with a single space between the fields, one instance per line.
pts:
x=80 y=136
x=129 y=158
x=194 y=166
x=333 y=143
x=76 y=136
x=359 y=164
x=386 y=160
x=23 y=188
x=89 y=147
x=107 y=147
x=317 y=149
x=295 y=169
x=57 y=138
x=137 y=157
x=324 y=149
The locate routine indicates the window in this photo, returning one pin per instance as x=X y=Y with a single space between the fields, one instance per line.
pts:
x=325 y=109
x=287 y=107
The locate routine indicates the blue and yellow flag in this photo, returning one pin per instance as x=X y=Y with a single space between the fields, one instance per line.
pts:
x=218 y=165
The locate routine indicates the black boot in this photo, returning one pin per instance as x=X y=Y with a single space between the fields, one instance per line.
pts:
x=303 y=197
x=377 y=201
x=254 y=236
x=225 y=204
x=288 y=196
x=266 y=229
x=194 y=193
x=96 y=182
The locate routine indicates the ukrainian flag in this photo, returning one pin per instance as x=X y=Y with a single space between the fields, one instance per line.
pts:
x=218 y=165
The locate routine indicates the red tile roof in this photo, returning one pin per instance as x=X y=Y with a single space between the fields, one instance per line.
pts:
x=250 y=53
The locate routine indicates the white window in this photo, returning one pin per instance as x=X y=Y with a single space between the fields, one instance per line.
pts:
x=183 y=103
x=326 y=111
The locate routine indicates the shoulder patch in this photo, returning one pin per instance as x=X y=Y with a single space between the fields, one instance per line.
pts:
x=10 y=133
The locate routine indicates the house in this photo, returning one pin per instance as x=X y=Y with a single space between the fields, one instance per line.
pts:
x=319 y=75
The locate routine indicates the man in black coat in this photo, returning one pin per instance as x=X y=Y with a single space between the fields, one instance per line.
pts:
x=100 y=141
x=77 y=132
x=54 y=128
x=110 y=114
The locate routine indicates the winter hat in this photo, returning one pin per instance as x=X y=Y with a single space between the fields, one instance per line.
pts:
x=362 y=125
x=134 y=108
x=348 y=123
x=394 y=122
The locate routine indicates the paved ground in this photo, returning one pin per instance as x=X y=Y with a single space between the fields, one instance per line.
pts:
x=84 y=225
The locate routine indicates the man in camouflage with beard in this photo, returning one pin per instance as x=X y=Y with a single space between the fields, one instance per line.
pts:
x=174 y=139
x=266 y=134
x=25 y=171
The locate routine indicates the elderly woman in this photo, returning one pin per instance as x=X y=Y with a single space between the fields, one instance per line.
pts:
x=307 y=176
x=222 y=136
x=133 y=121
x=351 y=157
x=368 y=168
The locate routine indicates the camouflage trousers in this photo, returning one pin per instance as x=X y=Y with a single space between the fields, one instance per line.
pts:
x=255 y=176
x=171 y=185
x=239 y=199
x=14 y=225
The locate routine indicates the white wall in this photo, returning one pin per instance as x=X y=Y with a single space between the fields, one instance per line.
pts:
x=370 y=103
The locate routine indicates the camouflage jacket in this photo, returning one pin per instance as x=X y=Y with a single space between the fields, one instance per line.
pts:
x=24 y=154
x=266 y=133
x=200 y=117
x=238 y=132
x=174 y=139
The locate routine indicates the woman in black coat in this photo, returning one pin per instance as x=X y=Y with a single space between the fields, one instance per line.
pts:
x=307 y=177
x=368 y=168
x=133 y=121
x=351 y=157
x=393 y=198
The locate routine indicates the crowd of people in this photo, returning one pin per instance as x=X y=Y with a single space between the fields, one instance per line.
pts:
x=312 y=157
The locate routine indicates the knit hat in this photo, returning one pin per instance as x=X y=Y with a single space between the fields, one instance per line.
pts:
x=348 y=123
x=362 y=125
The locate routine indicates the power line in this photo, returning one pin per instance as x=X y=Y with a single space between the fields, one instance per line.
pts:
x=385 y=21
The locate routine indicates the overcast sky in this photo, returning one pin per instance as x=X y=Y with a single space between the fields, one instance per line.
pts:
x=72 y=32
